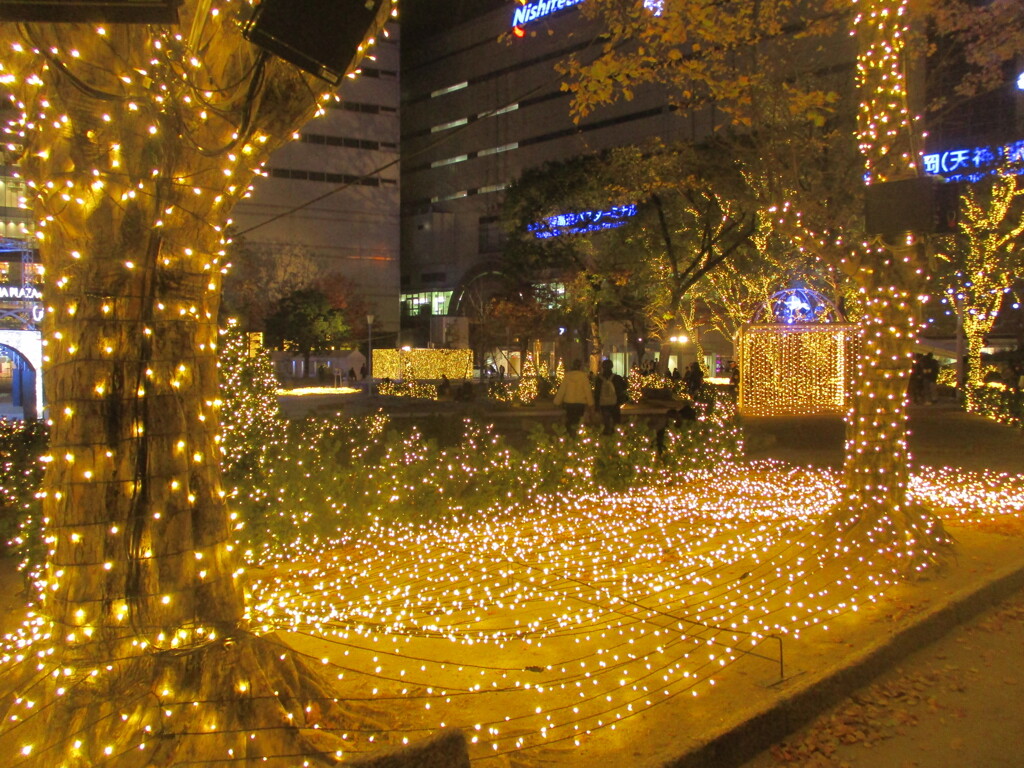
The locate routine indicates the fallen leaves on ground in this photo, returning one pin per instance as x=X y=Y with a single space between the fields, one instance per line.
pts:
x=888 y=707
x=876 y=713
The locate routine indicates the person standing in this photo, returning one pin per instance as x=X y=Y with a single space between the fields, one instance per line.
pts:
x=609 y=394
x=734 y=380
x=930 y=374
x=694 y=378
x=575 y=396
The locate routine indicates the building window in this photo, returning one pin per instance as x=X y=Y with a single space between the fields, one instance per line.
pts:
x=450 y=124
x=342 y=141
x=449 y=89
x=425 y=303
x=449 y=161
x=492 y=188
x=491 y=238
x=330 y=178
x=496 y=150
x=453 y=196
x=499 y=111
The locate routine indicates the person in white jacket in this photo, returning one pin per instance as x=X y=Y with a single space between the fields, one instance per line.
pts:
x=575 y=395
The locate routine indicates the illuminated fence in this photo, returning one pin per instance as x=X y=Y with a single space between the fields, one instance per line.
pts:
x=422 y=363
x=796 y=369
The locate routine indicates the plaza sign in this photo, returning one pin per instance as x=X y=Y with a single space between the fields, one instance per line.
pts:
x=976 y=162
x=21 y=292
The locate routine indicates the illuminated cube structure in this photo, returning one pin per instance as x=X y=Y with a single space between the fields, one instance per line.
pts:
x=406 y=364
x=802 y=361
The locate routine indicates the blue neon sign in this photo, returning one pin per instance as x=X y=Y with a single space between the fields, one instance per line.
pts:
x=582 y=222
x=524 y=14
x=527 y=12
x=977 y=162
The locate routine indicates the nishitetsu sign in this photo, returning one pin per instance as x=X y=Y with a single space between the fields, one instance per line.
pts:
x=527 y=12
x=524 y=14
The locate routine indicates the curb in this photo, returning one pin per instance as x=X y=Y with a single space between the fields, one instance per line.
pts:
x=748 y=739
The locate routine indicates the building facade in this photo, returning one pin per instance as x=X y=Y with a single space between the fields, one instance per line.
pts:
x=21 y=308
x=334 y=191
x=481 y=104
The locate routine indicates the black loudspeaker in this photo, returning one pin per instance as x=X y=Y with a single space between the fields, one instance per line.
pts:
x=319 y=36
x=925 y=205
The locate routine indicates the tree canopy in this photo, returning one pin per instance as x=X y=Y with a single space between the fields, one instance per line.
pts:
x=305 y=322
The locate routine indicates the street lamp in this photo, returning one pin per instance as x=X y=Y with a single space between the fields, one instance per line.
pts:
x=369 y=353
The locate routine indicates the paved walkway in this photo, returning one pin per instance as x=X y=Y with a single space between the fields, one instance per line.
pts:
x=940 y=435
x=954 y=703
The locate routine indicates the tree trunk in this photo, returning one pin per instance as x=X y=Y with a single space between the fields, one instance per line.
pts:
x=141 y=537
x=877 y=507
x=134 y=155
x=596 y=344
x=975 y=374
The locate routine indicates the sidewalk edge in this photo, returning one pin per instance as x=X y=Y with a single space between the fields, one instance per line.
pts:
x=746 y=740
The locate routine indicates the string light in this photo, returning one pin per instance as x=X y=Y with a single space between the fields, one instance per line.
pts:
x=423 y=363
x=801 y=369
x=134 y=143
x=982 y=256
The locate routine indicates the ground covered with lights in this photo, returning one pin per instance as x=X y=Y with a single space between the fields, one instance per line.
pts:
x=562 y=628
x=567 y=628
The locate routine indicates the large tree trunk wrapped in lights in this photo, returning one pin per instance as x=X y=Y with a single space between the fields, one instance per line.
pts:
x=876 y=503
x=137 y=140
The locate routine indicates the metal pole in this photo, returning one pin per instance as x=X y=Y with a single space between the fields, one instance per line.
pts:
x=369 y=354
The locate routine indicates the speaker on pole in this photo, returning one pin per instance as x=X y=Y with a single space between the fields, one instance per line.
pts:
x=321 y=37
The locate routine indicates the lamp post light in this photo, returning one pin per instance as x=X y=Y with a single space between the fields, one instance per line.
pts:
x=681 y=340
x=369 y=354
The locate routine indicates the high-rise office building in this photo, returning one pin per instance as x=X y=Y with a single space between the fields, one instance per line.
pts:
x=335 y=190
x=482 y=102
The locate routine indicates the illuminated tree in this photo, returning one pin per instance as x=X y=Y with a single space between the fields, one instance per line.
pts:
x=526 y=392
x=984 y=258
x=732 y=296
x=250 y=416
x=135 y=142
x=750 y=69
x=876 y=501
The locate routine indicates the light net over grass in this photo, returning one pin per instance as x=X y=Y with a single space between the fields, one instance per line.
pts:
x=533 y=627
